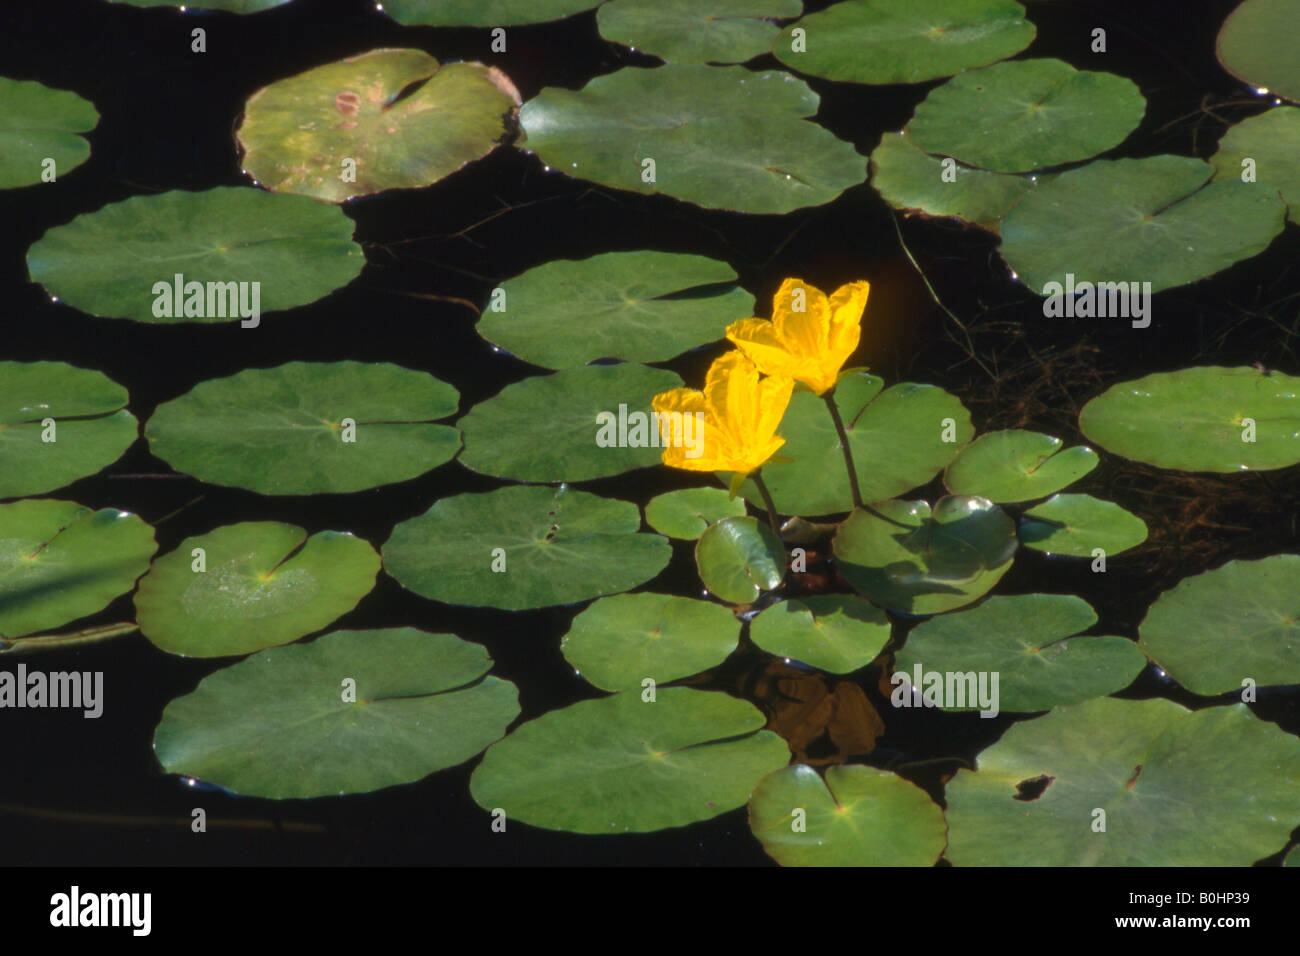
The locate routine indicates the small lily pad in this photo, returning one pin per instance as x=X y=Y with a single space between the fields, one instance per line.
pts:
x=739 y=559
x=1017 y=465
x=482 y=13
x=287 y=724
x=1256 y=44
x=1271 y=143
x=687 y=513
x=254 y=584
x=692 y=31
x=39 y=123
x=1079 y=524
x=837 y=633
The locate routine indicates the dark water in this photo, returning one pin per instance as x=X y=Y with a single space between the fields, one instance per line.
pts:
x=78 y=791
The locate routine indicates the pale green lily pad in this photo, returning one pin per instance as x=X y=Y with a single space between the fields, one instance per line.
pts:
x=230 y=6
x=1272 y=142
x=1195 y=419
x=1156 y=220
x=1029 y=641
x=836 y=633
x=687 y=513
x=1024 y=115
x=1256 y=44
x=38 y=123
x=919 y=561
x=91 y=429
x=1215 y=630
x=286 y=430
x=856 y=816
x=721 y=137
x=897 y=437
x=263 y=583
x=739 y=559
x=482 y=13
x=908 y=178
x=902 y=41
x=284 y=724
x=624 y=765
x=312 y=133
x=551 y=428
x=1078 y=525
x=60 y=561
x=524 y=547
x=695 y=31
x=108 y=262
x=1215 y=787
x=568 y=312
x=620 y=641
x=1017 y=465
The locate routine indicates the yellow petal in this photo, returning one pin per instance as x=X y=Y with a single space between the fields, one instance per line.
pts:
x=804 y=333
x=847 y=304
x=757 y=338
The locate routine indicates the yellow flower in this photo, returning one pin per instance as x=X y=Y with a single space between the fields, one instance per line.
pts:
x=809 y=338
x=731 y=425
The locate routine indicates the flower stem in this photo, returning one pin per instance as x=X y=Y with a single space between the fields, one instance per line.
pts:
x=829 y=398
x=42 y=642
x=767 y=500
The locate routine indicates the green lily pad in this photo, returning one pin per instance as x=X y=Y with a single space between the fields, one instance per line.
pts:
x=902 y=41
x=109 y=262
x=1154 y=220
x=691 y=31
x=1195 y=419
x=1214 y=630
x=739 y=559
x=909 y=178
x=624 y=765
x=524 y=547
x=721 y=137
x=1292 y=858
x=60 y=561
x=856 y=816
x=919 y=561
x=282 y=431
x=837 y=633
x=230 y=6
x=551 y=428
x=263 y=583
x=619 y=641
x=280 y=724
x=91 y=430
x=1039 y=112
x=1215 y=787
x=1028 y=641
x=482 y=13
x=1017 y=465
x=567 y=313
x=687 y=513
x=1079 y=524
x=897 y=437
x=346 y=129
x=38 y=123
x=1256 y=44
x=1272 y=142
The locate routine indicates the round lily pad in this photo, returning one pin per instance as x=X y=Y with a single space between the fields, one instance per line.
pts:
x=60 y=561
x=1040 y=113
x=524 y=547
x=720 y=137
x=238 y=253
x=1256 y=44
x=582 y=423
x=482 y=13
x=39 y=123
x=1200 y=419
x=687 y=513
x=837 y=633
x=255 y=584
x=1271 y=143
x=1153 y=220
x=1028 y=641
x=619 y=641
x=695 y=31
x=308 y=427
x=352 y=128
x=1172 y=787
x=90 y=431
x=625 y=765
x=1215 y=630
x=640 y=306
x=1079 y=524
x=739 y=559
x=856 y=816
x=286 y=723
x=902 y=41
x=919 y=561
x=1017 y=465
